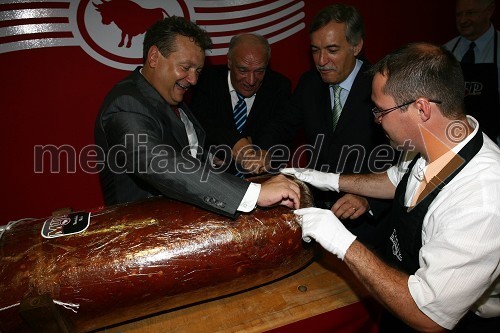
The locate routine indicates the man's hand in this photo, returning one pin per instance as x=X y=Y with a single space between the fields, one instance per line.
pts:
x=350 y=206
x=279 y=190
x=326 y=229
x=322 y=180
x=252 y=160
x=255 y=161
x=217 y=162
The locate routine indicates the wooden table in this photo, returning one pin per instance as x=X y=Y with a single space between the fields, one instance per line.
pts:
x=324 y=285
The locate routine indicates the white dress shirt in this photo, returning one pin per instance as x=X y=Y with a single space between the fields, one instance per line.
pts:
x=346 y=85
x=460 y=254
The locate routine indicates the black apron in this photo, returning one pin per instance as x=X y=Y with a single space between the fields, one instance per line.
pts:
x=481 y=93
x=404 y=233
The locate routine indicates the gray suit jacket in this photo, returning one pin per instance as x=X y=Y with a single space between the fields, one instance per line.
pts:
x=146 y=152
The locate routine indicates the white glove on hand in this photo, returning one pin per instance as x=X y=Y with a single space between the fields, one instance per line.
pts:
x=326 y=229
x=322 y=180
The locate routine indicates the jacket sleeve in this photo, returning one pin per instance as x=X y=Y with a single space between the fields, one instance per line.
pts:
x=146 y=147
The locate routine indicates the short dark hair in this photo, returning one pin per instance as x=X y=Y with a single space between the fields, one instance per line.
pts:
x=163 y=34
x=424 y=70
x=341 y=13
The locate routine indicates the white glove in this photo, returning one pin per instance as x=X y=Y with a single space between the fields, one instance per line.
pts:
x=322 y=180
x=326 y=229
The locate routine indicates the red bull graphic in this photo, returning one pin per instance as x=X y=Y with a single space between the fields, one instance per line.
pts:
x=59 y=58
x=129 y=17
x=112 y=31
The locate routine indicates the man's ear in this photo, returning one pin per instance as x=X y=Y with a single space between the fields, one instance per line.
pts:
x=357 y=48
x=424 y=109
x=153 y=55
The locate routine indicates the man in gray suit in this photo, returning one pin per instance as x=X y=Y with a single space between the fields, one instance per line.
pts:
x=153 y=143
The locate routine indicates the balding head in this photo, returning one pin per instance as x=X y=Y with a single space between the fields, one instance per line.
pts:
x=249 y=40
x=473 y=17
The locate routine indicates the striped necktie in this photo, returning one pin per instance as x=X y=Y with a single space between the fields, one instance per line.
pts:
x=337 y=105
x=240 y=117
x=240 y=113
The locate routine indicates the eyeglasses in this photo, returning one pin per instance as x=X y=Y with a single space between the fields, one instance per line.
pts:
x=380 y=113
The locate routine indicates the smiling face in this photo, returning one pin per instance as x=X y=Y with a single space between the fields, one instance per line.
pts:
x=173 y=75
x=333 y=56
x=247 y=67
x=473 y=17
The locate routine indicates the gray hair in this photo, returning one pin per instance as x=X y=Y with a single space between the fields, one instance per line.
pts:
x=341 y=13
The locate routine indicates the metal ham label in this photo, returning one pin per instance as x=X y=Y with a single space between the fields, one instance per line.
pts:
x=65 y=225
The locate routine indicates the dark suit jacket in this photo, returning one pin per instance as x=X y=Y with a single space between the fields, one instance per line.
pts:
x=348 y=149
x=355 y=129
x=146 y=152
x=351 y=147
x=211 y=103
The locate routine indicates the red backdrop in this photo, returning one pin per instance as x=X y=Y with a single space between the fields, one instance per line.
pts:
x=51 y=96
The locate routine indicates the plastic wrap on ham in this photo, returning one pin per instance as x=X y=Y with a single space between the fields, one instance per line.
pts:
x=122 y=262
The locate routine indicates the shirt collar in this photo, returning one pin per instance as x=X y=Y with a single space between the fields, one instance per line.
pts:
x=347 y=83
x=435 y=167
x=482 y=41
x=231 y=88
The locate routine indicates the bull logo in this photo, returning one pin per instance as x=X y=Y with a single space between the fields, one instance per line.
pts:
x=97 y=24
x=129 y=17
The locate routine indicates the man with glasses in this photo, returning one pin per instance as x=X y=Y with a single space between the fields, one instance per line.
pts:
x=378 y=114
x=478 y=49
x=440 y=268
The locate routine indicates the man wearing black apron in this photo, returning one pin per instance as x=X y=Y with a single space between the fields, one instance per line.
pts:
x=441 y=268
x=477 y=50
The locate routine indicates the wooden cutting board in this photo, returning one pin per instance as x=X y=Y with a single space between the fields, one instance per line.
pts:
x=324 y=285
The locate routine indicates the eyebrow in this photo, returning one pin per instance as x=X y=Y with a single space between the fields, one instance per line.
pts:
x=329 y=46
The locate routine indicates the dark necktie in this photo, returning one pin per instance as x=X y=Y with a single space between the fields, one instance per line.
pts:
x=469 y=57
x=240 y=113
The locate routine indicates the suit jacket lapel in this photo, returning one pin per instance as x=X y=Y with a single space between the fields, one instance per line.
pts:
x=158 y=104
x=200 y=132
x=178 y=128
x=353 y=102
x=326 y=104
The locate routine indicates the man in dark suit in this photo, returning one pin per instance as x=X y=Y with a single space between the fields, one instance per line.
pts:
x=265 y=94
x=333 y=104
x=152 y=143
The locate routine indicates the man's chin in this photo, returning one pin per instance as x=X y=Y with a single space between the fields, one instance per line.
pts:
x=328 y=77
x=466 y=32
x=248 y=93
x=391 y=142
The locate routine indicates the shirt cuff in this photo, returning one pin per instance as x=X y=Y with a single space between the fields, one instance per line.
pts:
x=249 y=201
